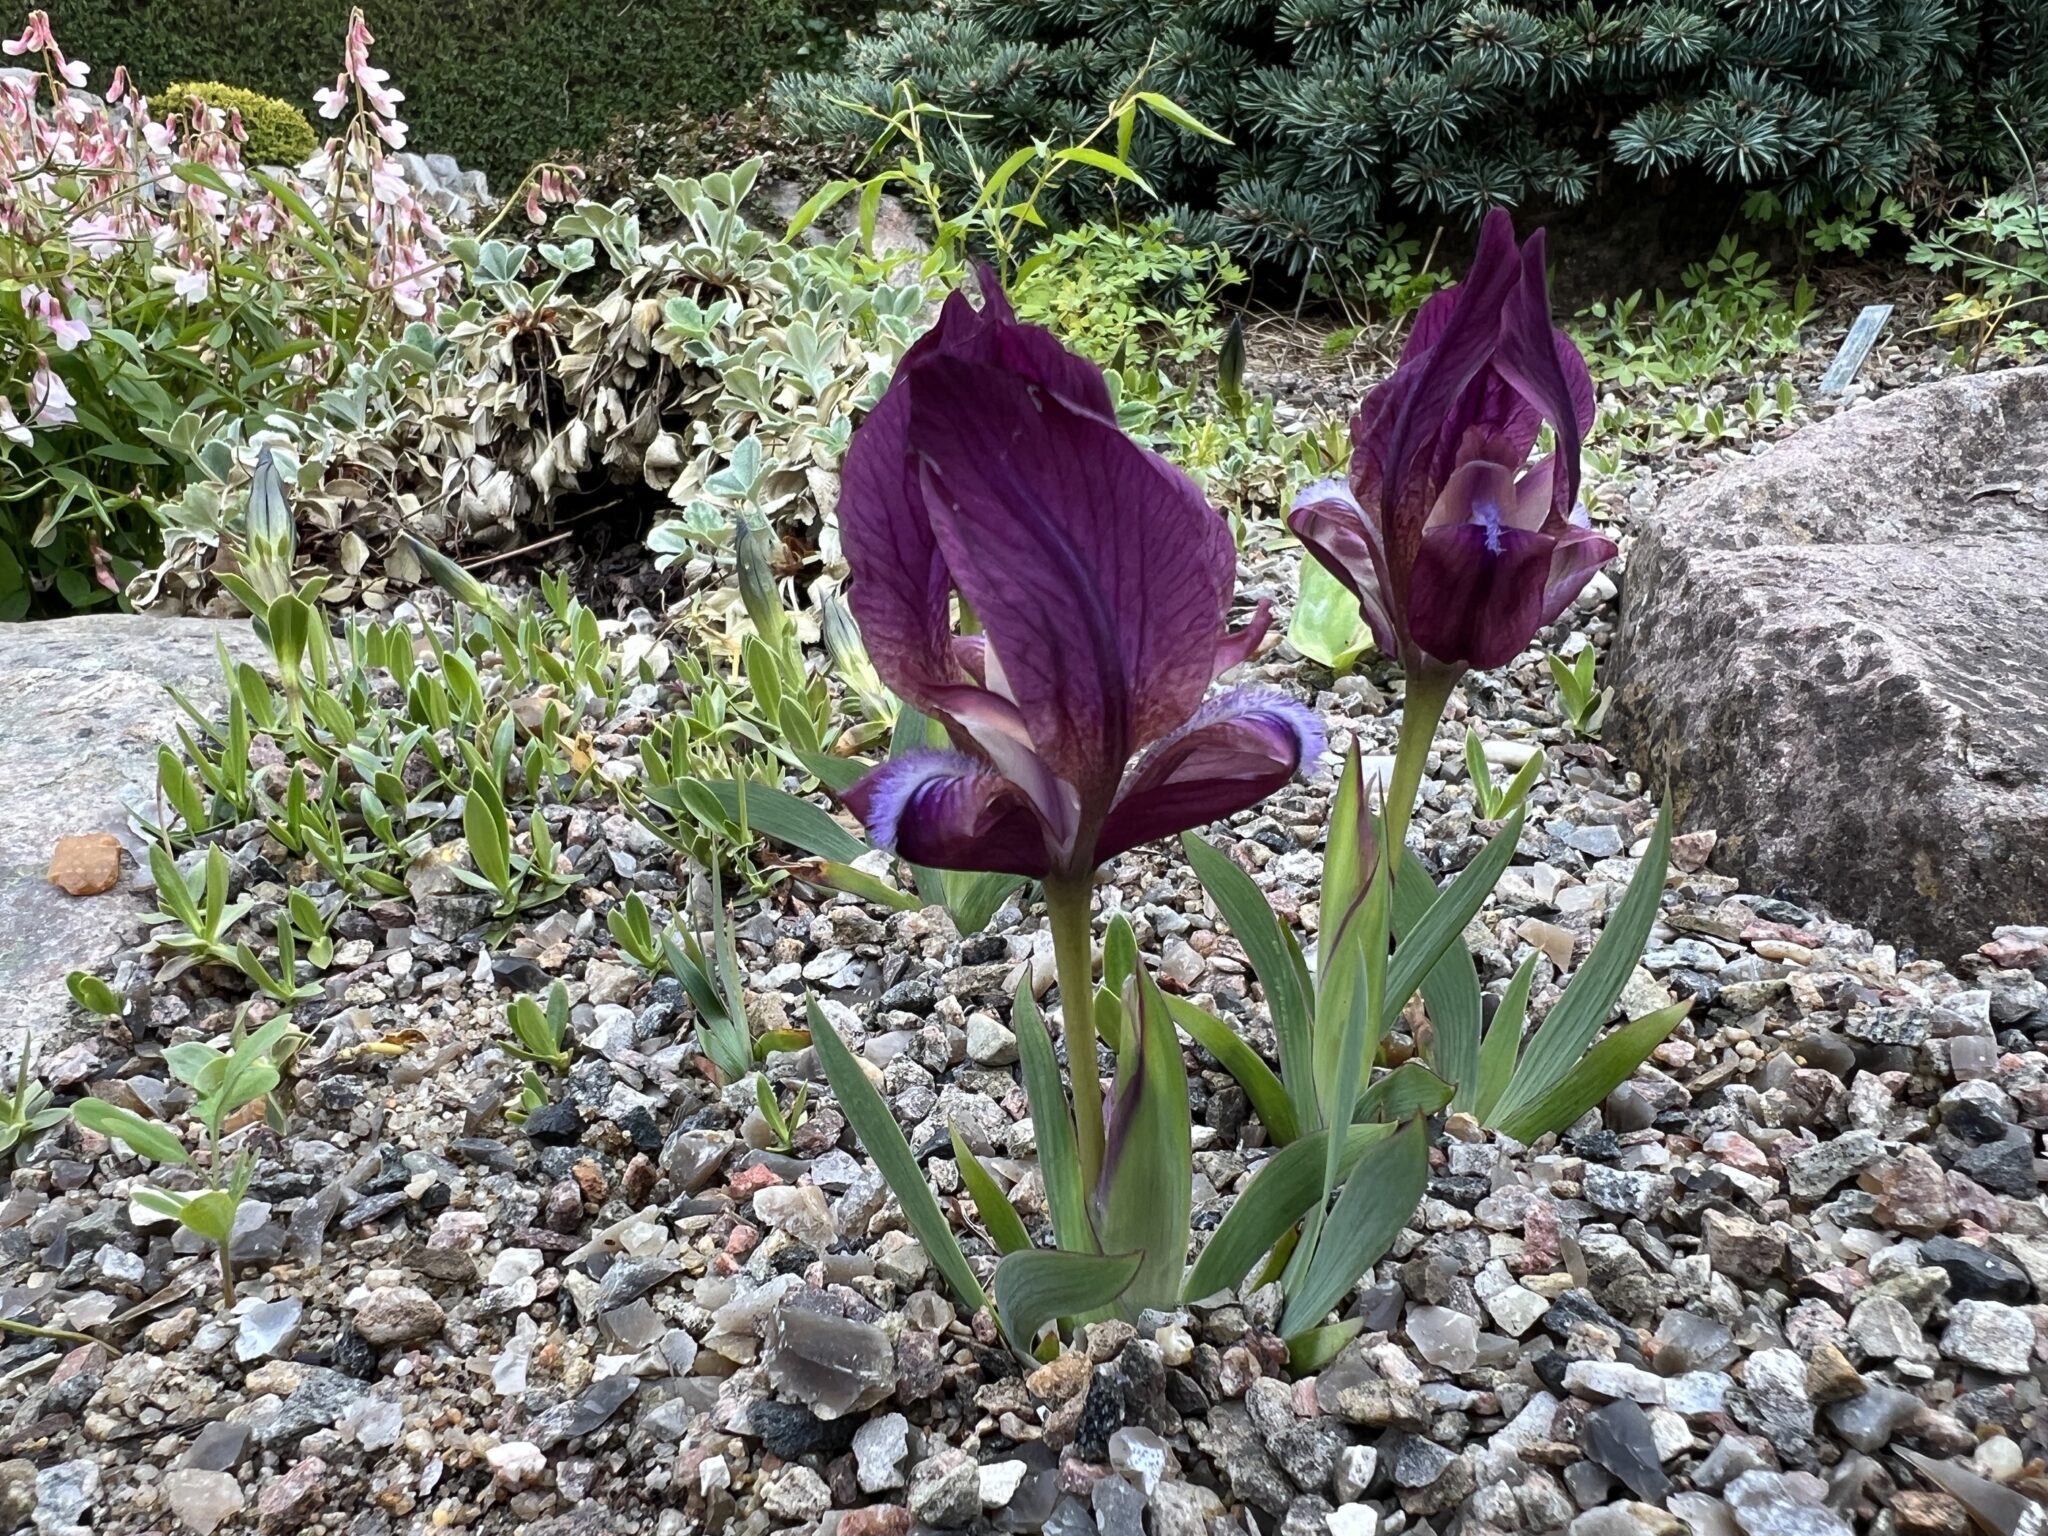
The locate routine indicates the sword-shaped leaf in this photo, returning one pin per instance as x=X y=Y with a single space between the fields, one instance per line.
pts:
x=1604 y=1068
x=1503 y=1043
x=1146 y=1191
x=1059 y=1160
x=1266 y=1209
x=1005 y=1226
x=879 y=1133
x=1275 y=961
x=1035 y=1285
x=1589 y=1000
x=1266 y=1092
x=1381 y=1194
x=786 y=818
x=1450 y=987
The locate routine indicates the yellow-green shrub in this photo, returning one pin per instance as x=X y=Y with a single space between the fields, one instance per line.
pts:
x=279 y=133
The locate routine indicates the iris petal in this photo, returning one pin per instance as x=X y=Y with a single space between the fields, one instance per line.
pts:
x=945 y=810
x=1239 y=645
x=1240 y=747
x=1577 y=555
x=1337 y=531
x=1476 y=597
x=1099 y=572
x=903 y=592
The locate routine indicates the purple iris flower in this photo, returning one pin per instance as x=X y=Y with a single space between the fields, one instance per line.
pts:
x=994 y=467
x=1456 y=552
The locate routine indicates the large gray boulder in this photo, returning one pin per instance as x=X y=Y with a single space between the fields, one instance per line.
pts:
x=83 y=708
x=1836 y=655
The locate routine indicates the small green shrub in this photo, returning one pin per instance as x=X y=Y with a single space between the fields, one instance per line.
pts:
x=1342 y=113
x=1123 y=295
x=1996 y=251
x=278 y=133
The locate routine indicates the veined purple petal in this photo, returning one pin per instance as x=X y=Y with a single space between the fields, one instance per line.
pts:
x=902 y=592
x=1346 y=541
x=991 y=721
x=1435 y=372
x=1489 y=496
x=947 y=811
x=1546 y=368
x=1239 y=645
x=1240 y=747
x=1099 y=572
x=1578 y=554
x=1476 y=596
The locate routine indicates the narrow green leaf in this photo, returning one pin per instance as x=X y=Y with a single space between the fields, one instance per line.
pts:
x=1274 y=960
x=1179 y=116
x=1356 y=1048
x=1101 y=160
x=1035 y=1285
x=837 y=774
x=870 y=208
x=1604 y=1068
x=1119 y=954
x=1477 y=770
x=1379 y=1197
x=147 y=1138
x=1147 y=1165
x=1278 y=1196
x=172 y=893
x=868 y=1114
x=202 y=175
x=1410 y=1089
x=1309 y=1352
x=159 y=1202
x=1267 y=1094
x=971 y=898
x=1059 y=1159
x=1444 y=923
x=1525 y=779
x=821 y=202
x=484 y=829
x=856 y=882
x=1450 y=987
x=1589 y=1000
x=1503 y=1044
x=786 y=818
x=998 y=1215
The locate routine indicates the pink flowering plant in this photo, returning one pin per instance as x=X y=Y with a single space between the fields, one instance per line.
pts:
x=158 y=295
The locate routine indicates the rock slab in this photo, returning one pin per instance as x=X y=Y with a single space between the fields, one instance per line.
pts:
x=1836 y=654
x=83 y=708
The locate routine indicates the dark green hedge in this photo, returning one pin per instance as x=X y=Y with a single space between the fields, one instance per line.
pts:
x=496 y=83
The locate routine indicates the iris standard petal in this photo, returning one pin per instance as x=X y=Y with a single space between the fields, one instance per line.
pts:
x=1345 y=540
x=1428 y=388
x=1551 y=376
x=1238 y=749
x=946 y=810
x=902 y=592
x=1099 y=572
x=1476 y=596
